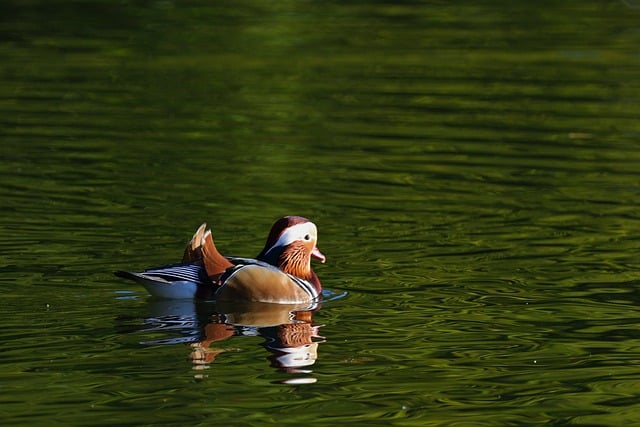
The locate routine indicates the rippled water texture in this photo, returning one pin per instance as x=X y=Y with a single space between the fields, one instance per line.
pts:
x=472 y=168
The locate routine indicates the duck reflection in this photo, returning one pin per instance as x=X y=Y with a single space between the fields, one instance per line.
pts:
x=289 y=334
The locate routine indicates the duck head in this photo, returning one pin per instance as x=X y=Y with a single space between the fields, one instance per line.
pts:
x=291 y=245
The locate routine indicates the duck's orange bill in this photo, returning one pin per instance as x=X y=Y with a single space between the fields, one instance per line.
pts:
x=315 y=253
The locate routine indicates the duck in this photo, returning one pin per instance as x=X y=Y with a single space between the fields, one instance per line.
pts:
x=281 y=273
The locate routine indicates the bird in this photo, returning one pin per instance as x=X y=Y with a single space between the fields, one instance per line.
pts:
x=281 y=273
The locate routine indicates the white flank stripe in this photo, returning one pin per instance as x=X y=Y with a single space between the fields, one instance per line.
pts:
x=306 y=286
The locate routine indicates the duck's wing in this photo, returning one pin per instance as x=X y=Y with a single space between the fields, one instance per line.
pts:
x=174 y=281
x=202 y=251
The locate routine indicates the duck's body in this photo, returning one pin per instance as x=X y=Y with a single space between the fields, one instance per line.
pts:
x=281 y=274
x=253 y=280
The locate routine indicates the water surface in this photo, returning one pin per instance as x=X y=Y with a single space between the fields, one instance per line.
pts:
x=472 y=170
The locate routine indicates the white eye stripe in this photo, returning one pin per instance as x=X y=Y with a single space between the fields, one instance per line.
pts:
x=294 y=233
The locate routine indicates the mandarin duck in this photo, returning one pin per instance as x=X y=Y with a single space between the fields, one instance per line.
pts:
x=281 y=273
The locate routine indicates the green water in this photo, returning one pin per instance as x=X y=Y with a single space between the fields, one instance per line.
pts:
x=472 y=167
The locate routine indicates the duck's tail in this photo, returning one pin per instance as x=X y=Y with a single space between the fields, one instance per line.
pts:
x=201 y=249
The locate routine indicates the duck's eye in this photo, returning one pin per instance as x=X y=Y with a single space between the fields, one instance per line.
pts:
x=307 y=237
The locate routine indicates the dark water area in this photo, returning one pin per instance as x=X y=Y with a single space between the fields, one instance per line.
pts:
x=472 y=167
